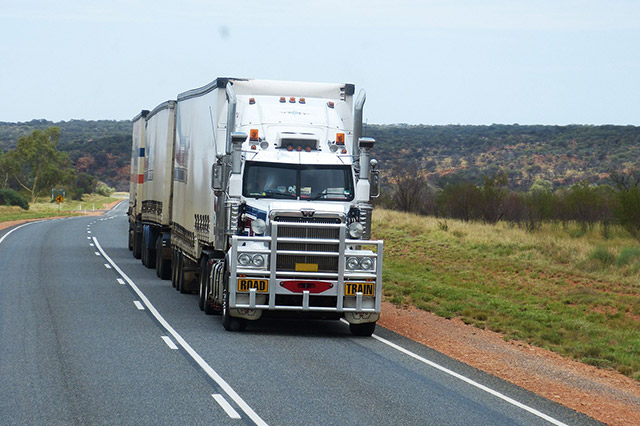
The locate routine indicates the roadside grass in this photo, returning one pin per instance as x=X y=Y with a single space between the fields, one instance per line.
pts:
x=44 y=208
x=561 y=288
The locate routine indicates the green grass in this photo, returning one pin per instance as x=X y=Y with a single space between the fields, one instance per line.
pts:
x=44 y=208
x=576 y=295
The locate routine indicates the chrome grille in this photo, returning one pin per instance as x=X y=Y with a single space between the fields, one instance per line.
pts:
x=287 y=262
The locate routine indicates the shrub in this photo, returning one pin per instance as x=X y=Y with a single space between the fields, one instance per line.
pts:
x=9 y=197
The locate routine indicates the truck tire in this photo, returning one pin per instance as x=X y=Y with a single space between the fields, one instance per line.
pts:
x=163 y=267
x=202 y=282
x=150 y=253
x=174 y=267
x=137 y=240
x=365 y=329
x=228 y=322
x=130 y=238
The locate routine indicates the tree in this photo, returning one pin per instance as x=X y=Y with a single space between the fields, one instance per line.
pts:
x=35 y=164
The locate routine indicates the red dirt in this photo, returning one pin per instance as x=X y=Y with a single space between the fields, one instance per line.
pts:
x=604 y=395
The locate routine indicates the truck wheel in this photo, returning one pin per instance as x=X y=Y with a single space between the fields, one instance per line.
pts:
x=202 y=282
x=180 y=272
x=130 y=238
x=365 y=329
x=137 y=241
x=150 y=255
x=174 y=267
x=228 y=322
x=163 y=267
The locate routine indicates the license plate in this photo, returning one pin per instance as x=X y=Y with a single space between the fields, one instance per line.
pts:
x=367 y=289
x=245 y=284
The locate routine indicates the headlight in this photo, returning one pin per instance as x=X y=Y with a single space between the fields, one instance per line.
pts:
x=366 y=263
x=257 y=260
x=244 y=259
x=258 y=226
x=352 y=263
x=356 y=230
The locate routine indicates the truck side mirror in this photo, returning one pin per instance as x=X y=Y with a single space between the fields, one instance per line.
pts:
x=374 y=180
x=217 y=182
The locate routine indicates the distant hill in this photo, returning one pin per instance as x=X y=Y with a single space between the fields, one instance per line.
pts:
x=101 y=148
x=561 y=154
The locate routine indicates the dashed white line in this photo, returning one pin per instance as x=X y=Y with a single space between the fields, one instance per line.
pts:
x=225 y=406
x=120 y=281
x=139 y=306
x=169 y=342
x=183 y=343
x=92 y=245
x=106 y=265
x=96 y=253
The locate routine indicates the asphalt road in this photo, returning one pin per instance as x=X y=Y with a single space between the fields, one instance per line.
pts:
x=90 y=336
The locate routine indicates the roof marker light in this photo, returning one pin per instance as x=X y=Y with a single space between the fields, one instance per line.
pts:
x=331 y=104
x=283 y=99
x=253 y=147
x=292 y=100
x=303 y=101
x=344 y=151
x=308 y=149
x=290 y=148
x=252 y=101
x=253 y=135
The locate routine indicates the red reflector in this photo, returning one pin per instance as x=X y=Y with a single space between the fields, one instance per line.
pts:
x=313 y=287
x=140 y=178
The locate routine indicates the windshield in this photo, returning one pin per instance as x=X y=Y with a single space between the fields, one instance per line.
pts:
x=296 y=181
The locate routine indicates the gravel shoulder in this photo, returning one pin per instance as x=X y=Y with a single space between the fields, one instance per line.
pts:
x=604 y=395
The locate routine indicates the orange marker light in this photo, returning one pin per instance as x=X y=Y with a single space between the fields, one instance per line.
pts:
x=252 y=101
x=303 y=101
x=253 y=135
x=253 y=147
x=340 y=138
x=344 y=151
x=292 y=100
x=283 y=99
x=331 y=104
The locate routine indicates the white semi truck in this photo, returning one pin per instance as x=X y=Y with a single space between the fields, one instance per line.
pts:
x=256 y=195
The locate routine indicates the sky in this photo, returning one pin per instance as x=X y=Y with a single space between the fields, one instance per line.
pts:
x=434 y=62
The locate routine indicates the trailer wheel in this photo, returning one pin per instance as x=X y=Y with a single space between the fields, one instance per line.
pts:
x=130 y=238
x=180 y=273
x=163 y=267
x=365 y=329
x=228 y=322
x=137 y=240
x=174 y=267
x=202 y=282
x=150 y=252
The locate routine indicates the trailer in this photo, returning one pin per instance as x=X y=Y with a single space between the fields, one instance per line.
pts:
x=269 y=185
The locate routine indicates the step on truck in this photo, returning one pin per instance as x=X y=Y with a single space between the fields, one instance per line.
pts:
x=256 y=195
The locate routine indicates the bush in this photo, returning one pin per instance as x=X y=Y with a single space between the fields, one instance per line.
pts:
x=9 y=197
x=104 y=189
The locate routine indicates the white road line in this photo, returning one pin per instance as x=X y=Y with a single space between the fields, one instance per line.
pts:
x=97 y=253
x=225 y=406
x=196 y=357
x=469 y=381
x=88 y=238
x=120 y=281
x=92 y=245
x=13 y=230
x=169 y=342
x=140 y=307
x=88 y=232
x=106 y=265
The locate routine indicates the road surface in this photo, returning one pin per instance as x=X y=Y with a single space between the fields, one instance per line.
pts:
x=90 y=336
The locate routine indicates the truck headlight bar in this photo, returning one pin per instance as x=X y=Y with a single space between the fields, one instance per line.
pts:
x=250 y=260
x=360 y=264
